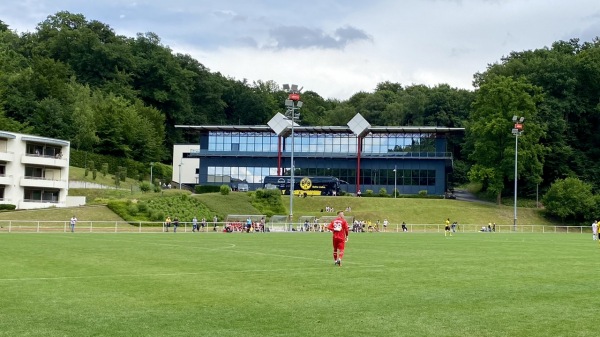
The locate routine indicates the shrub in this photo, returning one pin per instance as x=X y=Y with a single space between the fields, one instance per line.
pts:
x=145 y=186
x=423 y=193
x=104 y=169
x=94 y=173
x=7 y=207
x=132 y=209
x=199 y=189
x=383 y=193
x=142 y=207
x=224 y=189
x=368 y=193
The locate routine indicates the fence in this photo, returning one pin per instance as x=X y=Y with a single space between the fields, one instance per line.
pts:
x=25 y=226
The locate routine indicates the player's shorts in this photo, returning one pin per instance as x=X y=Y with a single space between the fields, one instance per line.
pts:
x=447 y=228
x=339 y=244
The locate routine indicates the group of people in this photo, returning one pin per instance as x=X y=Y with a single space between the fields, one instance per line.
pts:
x=248 y=226
x=451 y=228
x=196 y=227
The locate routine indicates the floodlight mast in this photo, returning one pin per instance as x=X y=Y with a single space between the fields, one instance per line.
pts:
x=292 y=104
x=517 y=131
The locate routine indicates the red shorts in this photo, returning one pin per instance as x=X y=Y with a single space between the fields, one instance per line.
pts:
x=339 y=244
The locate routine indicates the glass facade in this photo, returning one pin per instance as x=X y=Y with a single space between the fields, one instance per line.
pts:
x=255 y=175
x=321 y=143
x=421 y=163
x=242 y=141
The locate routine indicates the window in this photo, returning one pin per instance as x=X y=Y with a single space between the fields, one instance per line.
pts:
x=41 y=195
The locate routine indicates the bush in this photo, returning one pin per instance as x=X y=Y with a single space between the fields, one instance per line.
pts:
x=199 y=189
x=142 y=207
x=224 y=189
x=145 y=186
x=423 y=193
x=132 y=209
x=383 y=193
x=7 y=207
x=368 y=193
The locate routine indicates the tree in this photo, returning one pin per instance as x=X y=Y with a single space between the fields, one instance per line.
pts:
x=489 y=133
x=569 y=198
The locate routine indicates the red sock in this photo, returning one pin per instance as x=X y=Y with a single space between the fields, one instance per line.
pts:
x=335 y=255
x=341 y=254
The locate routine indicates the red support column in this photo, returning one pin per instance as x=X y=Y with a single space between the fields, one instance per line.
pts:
x=278 y=155
x=359 y=150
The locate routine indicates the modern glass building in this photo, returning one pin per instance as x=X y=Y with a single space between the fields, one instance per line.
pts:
x=411 y=158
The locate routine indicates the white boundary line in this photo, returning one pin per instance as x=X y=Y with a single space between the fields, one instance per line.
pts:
x=167 y=274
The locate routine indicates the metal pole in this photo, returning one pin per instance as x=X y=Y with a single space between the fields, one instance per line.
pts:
x=292 y=182
x=516 y=156
x=395 y=180
x=180 y=175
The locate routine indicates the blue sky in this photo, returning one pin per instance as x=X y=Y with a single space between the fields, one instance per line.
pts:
x=337 y=47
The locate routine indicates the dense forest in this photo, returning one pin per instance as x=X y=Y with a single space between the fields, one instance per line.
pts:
x=76 y=79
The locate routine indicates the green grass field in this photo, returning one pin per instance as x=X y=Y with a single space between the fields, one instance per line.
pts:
x=285 y=284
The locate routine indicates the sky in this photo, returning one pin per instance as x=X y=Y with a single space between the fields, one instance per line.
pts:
x=335 y=48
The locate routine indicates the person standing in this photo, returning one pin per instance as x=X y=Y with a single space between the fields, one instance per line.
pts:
x=195 y=224
x=167 y=223
x=175 y=224
x=447 y=229
x=339 y=228
x=385 y=224
x=215 y=219
x=595 y=230
x=72 y=223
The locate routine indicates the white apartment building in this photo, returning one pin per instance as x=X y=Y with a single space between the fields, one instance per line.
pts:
x=34 y=171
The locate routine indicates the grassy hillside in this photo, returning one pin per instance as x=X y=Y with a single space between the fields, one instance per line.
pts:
x=85 y=213
x=417 y=211
x=411 y=211
x=78 y=174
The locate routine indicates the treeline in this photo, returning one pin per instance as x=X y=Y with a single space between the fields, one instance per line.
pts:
x=77 y=79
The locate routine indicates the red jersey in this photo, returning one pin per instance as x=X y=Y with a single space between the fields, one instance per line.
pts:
x=339 y=227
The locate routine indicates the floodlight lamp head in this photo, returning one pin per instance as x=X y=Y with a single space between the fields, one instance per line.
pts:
x=299 y=104
x=294 y=87
x=289 y=103
x=286 y=87
x=521 y=119
x=515 y=118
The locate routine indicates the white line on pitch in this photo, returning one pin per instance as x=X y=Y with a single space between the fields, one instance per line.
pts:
x=167 y=274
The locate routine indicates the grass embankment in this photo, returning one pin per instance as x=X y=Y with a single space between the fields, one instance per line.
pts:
x=417 y=211
x=78 y=174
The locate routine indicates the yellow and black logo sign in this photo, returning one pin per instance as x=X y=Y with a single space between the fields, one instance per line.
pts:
x=305 y=183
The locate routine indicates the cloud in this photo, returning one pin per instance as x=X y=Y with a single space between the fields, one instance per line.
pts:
x=297 y=37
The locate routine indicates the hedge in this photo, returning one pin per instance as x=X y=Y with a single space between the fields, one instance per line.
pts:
x=199 y=189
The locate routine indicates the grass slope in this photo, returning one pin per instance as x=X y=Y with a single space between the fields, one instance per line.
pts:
x=417 y=211
x=270 y=284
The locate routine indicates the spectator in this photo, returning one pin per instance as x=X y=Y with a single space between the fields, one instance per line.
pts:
x=175 y=224
x=167 y=223
x=195 y=224
x=72 y=223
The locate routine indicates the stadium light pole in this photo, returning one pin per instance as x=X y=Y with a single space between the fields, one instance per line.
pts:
x=517 y=131
x=292 y=104
x=151 y=166
x=180 y=164
x=395 y=181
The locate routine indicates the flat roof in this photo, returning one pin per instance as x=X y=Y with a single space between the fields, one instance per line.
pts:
x=323 y=129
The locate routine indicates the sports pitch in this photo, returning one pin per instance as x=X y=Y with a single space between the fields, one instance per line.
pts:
x=285 y=284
